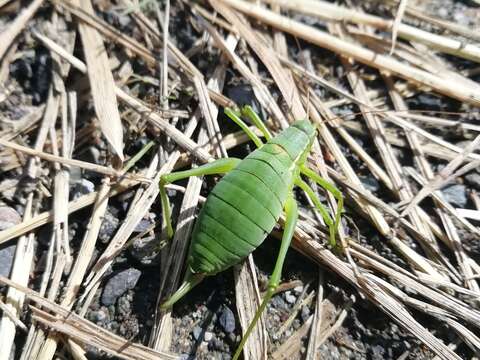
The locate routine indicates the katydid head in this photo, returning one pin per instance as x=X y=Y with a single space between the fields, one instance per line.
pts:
x=308 y=129
x=296 y=140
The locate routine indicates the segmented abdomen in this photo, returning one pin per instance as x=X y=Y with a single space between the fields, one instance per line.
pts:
x=241 y=210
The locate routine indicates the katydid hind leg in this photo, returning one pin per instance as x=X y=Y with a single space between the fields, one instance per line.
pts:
x=291 y=212
x=331 y=189
x=190 y=281
x=219 y=166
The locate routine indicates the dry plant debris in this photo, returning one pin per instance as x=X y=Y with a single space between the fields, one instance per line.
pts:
x=393 y=88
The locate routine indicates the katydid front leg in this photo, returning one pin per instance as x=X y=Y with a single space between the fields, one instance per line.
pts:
x=255 y=119
x=236 y=119
x=331 y=189
x=321 y=209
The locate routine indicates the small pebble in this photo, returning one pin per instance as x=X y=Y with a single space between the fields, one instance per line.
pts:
x=8 y=218
x=7 y=254
x=298 y=289
x=197 y=332
x=109 y=225
x=113 y=325
x=473 y=179
x=119 y=284
x=305 y=313
x=217 y=344
x=196 y=314
x=82 y=187
x=378 y=351
x=460 y=18
x=427 y=101
x=227 y=320
x=118 y=19
x=370 y=183
x=278 y=303
x=443 y=13
x=244 y=95
x=290 y=298
x=143 y=225
x=145 y=250
x=208 y=336
x=456 y=195
x=9 y=187
x=97 y=316
x=124 y=306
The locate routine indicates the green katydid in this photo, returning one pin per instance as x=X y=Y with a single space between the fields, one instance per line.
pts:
x=245 y=205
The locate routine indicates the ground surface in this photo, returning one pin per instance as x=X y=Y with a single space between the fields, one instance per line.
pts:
x=205 y=323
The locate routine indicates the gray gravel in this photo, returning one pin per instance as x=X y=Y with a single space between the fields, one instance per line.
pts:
x=227 y=320
x=6 y=259
x=82 y=187
x=119 y=284
x=456 y=195
x=473 y=179
x=8 y=218
x=109 y=225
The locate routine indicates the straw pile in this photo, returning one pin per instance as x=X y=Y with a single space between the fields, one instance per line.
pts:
x=394 y=92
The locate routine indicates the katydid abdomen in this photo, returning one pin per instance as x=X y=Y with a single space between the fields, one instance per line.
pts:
x=239 y=213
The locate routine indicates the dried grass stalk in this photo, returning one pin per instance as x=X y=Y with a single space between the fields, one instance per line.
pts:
x=359 y=53
x=102 y=83
x=14 y=28
x=20 y=274
x=248 y=300
x=80 y=266
x=281 y=76
x=337 y=13
x=72 y=325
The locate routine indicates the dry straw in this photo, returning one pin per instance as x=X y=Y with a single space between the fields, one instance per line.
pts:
x=437 y=276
